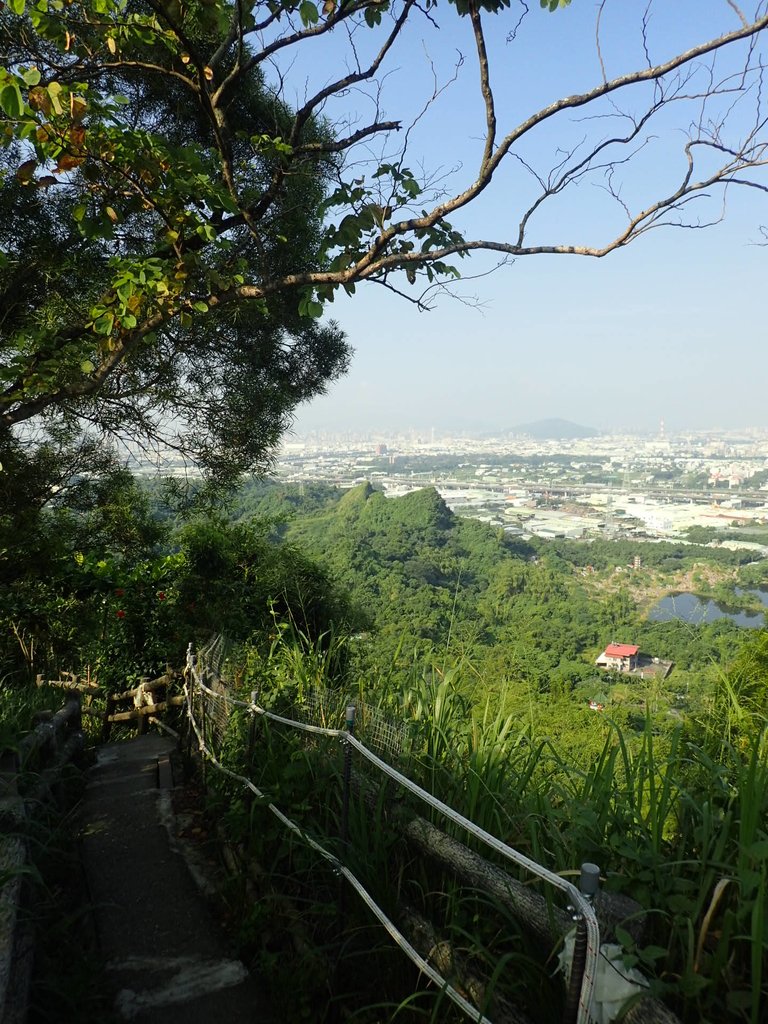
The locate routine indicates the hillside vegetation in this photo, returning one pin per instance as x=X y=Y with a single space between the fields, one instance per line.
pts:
x=482 y=649
x=521 y=615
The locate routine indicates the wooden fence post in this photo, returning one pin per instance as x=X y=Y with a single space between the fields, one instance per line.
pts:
x=106 y=728
x=142 y=724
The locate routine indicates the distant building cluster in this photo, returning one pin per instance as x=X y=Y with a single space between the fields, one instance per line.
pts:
x=578 y=488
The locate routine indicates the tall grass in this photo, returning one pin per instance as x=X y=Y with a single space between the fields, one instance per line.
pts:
x=676 y=816
x=18 y=704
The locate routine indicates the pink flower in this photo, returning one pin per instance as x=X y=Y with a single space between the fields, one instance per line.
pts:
x=120 y=613
x=161 y=595
x=119 y=592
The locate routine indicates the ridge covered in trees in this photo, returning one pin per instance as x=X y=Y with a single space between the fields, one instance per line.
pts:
x=517 y=610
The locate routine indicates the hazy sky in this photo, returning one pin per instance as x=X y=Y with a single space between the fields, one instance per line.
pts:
x=673 y=326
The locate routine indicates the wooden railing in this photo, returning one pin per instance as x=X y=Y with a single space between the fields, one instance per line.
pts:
x=142 y=704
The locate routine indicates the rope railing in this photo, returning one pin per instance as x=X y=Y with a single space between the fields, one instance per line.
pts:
x=579 y=903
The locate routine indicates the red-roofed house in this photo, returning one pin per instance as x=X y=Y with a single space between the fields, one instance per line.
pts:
x=619 y=657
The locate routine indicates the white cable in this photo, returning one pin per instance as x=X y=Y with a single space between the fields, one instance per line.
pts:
x=376 y=910
x=582 y=905
x=580 y=902
x=267 y=714
x=320 y=730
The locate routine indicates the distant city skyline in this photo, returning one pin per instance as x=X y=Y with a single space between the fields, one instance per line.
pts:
x=457 y=431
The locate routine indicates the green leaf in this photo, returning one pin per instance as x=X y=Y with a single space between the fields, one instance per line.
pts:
x=200 y=306
x=104 y=324
x=739 y=1001
x=11 y=101
x=54 y=92
x=308 y=13
x=206 y=231
x=650 y=953
x=32 y=75
x=17 y=6
x=758 y=850
x=87 y=366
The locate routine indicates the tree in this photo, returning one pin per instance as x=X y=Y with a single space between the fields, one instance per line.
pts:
x=174 y=220
x=106 y=260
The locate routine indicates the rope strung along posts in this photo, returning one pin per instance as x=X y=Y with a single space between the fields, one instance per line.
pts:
x=577 y=900
x=590 y=938
x=400 y=940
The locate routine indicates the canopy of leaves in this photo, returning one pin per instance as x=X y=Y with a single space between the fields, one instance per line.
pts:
x=122 y=223
x=518 y=611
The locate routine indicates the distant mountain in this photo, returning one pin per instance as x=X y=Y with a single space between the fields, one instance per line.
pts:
x=554 y=429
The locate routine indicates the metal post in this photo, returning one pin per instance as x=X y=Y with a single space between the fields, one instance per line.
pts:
x=188 y=683
x=347 y=776
x=589 y=886
x=346 y=782
x=203 y=751
x=250 y=751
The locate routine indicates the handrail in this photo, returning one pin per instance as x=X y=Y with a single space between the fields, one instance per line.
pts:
x=356 y=884
x=584 y=911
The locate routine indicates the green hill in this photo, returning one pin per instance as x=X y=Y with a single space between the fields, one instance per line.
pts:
x=554 y=430
x=421 y=574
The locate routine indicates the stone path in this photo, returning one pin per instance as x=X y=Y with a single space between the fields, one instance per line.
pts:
x=167 y=961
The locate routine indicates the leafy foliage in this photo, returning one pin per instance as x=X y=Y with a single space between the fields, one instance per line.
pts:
x=96 y=582
x=517 y=611
x=483 y=655
x=123 y=226
x=676 y=822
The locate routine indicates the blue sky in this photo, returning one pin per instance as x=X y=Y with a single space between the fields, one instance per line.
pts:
x=673 y=326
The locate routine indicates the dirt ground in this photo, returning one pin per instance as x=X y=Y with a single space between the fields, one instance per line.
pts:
x=647 y=585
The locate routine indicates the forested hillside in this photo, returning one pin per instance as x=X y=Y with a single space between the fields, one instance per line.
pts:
x=482 y=648
x=517 y=613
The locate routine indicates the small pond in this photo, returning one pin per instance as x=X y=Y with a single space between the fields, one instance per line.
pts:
x=690 y=608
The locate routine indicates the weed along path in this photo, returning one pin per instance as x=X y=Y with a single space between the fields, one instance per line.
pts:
x=166 y=959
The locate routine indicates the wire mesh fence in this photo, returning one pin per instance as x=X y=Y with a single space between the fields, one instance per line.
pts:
x=322 y=707
x=211 y=702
